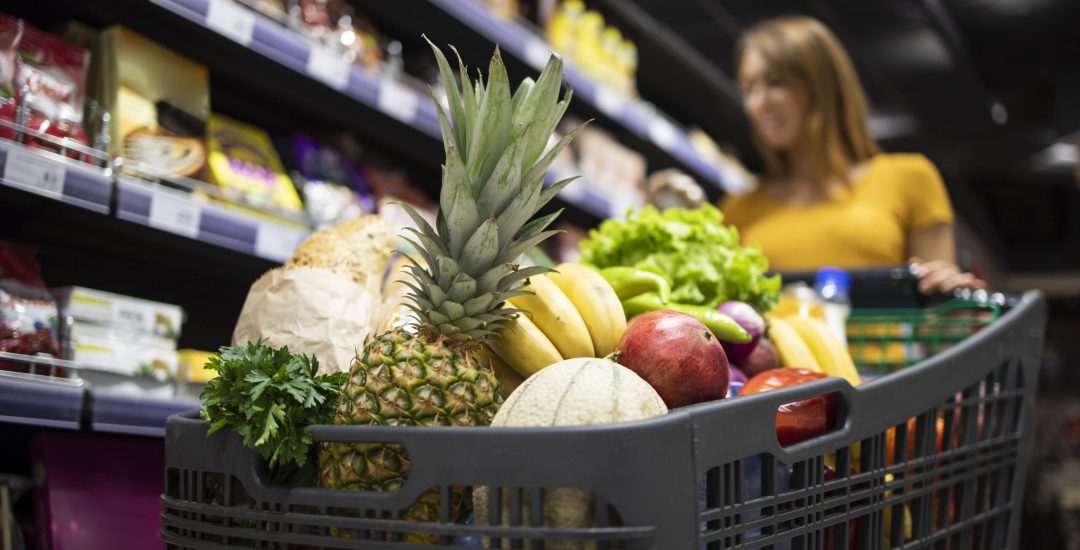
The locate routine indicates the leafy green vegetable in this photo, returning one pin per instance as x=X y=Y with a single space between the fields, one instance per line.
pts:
x=270 y=396
x=700 y=256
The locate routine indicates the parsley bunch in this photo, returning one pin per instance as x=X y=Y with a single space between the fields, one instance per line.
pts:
x=270 y=396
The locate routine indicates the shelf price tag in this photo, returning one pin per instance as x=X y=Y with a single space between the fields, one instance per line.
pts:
x=34 y=173
x=662 y=133
x=231 y=20
x=610 y=102
x=329 y=66
x=174 y=212
x=537 y=54
x=277 y=242
x=397 y=100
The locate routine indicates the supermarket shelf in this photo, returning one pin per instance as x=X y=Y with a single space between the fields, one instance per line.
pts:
x=36 y=403
x=56 y=177
x=65 y=180
x=44 y=400
x=526 y=45
x=38 y=400
x=124 y=414
x=398 y=100
x=293 y=51
x=179 y=212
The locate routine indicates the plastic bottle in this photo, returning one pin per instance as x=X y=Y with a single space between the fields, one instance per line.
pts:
x=799 y=299
x=587 y=42
x=562 y=28
x=831 y=286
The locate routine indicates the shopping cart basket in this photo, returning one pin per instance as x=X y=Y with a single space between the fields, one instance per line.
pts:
x=931 y=456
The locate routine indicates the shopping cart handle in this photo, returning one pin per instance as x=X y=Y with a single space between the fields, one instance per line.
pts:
x=756 y=414
x=898 y=286
x=876 y=275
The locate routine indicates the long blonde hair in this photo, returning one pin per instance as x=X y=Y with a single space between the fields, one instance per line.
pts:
x=805 y=54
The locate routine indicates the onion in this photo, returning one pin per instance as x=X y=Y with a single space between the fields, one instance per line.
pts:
x=750 y=321
x=736 y=380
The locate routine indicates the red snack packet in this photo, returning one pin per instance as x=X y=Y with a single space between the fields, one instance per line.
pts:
x=28 y=313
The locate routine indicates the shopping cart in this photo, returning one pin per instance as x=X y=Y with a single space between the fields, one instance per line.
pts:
x=931 y=456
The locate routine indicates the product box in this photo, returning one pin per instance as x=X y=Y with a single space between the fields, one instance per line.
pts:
x=83 y=331
x=192 y=363
x=127 y=318
x=159 y=100
x=193 y=376
x=125 y=358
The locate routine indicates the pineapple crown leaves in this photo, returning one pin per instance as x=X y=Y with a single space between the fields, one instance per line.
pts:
x=497 y=156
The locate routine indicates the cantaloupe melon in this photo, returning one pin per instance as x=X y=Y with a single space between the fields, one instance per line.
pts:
x=571 y=393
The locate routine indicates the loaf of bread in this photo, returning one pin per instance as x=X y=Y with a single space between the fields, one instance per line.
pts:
x=359 y=250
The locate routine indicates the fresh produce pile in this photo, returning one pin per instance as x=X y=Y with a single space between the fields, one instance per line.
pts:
x=698 y=255
x=666 y=310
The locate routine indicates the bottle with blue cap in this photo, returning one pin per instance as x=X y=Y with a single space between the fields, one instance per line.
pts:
x=831 y=286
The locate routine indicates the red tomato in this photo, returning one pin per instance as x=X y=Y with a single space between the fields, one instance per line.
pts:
x=800 y=420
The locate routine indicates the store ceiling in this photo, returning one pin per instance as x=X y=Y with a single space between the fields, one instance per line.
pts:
x=989 y=89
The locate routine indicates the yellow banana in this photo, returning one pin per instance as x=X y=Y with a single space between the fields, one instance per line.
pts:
x=792 y=349
x=888 y=518
x=508 y=378
x=555 y=315
x=827 y=349
x=597 y=303
x=524 y=347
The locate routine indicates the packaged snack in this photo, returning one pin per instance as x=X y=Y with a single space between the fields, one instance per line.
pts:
x=335 y=189
x=52 y=73
x=245 y=165
x=48 y=76
x=10 y=33
x=28 y=313
x=158 y=100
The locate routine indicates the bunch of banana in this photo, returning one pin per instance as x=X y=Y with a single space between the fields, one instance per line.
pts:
x=572 y=312
x=806 y=342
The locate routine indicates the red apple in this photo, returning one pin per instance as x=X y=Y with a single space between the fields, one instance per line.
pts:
x=763 y=358
x=676 y=354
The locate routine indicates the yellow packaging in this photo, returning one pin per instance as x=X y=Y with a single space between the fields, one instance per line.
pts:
x=130 y=74
x=245 y=165
x=562 y=28
x=192 y=365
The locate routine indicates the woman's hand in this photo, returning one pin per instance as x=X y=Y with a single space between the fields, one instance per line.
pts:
x=944 y=277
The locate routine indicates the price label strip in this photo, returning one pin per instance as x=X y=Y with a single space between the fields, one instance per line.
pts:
x=175 y=213
x=34 y=173
x=609 y=101
x=231 y=20
x=537 y=54
x=397 y=100
x=662 y=133
x=328 y=66
x=277 y=242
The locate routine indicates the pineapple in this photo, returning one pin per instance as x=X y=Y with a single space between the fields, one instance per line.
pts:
x=492 y=185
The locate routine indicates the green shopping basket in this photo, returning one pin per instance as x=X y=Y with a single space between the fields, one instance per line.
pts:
x=882 y=340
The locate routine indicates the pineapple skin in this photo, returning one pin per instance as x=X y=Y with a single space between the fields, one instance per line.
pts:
x=404 y=380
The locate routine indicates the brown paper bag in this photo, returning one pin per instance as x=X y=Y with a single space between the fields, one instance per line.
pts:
x=311 y=310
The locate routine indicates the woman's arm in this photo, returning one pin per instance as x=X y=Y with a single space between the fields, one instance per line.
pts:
x=933 y=252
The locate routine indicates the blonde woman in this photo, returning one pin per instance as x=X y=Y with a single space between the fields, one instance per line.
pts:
x=829 y=196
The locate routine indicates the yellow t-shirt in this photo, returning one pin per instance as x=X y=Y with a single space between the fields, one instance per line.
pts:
x=867 y=225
